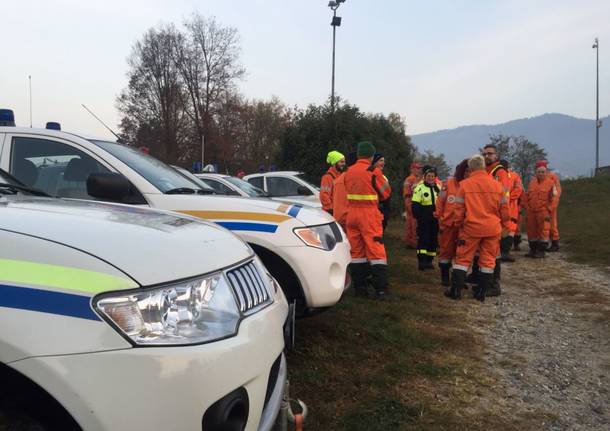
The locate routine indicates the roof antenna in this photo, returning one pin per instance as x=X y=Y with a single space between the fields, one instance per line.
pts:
x=103 y=124
x=30 y=78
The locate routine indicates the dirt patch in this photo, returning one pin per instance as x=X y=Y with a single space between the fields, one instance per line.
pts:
x=548 y=344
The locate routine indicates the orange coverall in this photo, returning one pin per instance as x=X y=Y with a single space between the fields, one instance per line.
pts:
x=365 y=186
x=541 y=200
x=326 y=188
x=516 y=190
x=411 y=222
x=481 y=209
x=448 y=231
x=554 y=229
x=340 y=202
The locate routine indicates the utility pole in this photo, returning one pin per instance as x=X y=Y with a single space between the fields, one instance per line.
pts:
x=336 y=22
x=598 y=123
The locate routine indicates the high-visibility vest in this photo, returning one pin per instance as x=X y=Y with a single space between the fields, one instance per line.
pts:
x=365 y=186
x=424 y=194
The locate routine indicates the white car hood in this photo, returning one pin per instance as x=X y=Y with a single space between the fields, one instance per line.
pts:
x=150 y=246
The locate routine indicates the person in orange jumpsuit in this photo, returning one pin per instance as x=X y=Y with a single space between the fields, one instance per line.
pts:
x=410 y=183
x=340 y=203
x=448 y=231
x=554 y=230
x=500 y=174
x=481 y=209
x=365 y=186
x=517 y=211
x=515 y=191
x=384 y=206
x=542 y=198
x=336 y=160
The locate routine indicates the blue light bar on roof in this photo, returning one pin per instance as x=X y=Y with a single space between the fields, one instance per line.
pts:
x=52 y=125
x=7 y=117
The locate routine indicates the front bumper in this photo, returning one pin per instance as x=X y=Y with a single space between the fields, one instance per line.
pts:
x=161 y=388
x=323 y=274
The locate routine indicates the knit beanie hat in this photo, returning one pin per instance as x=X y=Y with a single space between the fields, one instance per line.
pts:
x=376 y=157
x=334 y=157
x=365 y=150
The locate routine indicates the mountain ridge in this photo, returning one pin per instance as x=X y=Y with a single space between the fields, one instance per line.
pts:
x=568 y=140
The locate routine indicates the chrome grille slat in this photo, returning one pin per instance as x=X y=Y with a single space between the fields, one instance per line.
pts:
x=250 y=290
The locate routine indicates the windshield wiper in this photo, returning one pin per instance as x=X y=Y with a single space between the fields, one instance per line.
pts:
x=187 y=191
x=29 y=190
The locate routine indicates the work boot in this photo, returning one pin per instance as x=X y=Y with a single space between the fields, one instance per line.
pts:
x=380 y=281
x=458 y=282
x=473 y=277
x=517 y=243
x=554 y=246
x=421 y=262
x=532 y=252
x=495 y=288
x=540 y=249
x=505 y=246
x=359 y=272
x=485 y=280
x=429 y=264
x=445 y=267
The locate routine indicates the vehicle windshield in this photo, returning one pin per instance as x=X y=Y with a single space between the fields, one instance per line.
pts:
x=11 y=185
x=245 y=186
x=302 y=178
x=193 y=177
x=162 y=176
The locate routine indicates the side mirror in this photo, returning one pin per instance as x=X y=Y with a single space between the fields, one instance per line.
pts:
x=108 y=186
x=304 y=191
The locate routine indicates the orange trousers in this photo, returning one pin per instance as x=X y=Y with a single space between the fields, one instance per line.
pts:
x=365 y=235
x=488 y=248
x=538 y=226
x=411 y=229
x=554 y=229
x=447 y=241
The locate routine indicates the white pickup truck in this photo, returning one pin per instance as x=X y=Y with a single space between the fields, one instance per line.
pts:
x=303 y=248
x=109 y=322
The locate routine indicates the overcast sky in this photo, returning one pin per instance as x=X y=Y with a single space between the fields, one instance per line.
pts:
x=440 y=64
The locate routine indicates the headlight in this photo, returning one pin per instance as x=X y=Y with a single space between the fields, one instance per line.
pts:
x=189 y=312
x=317 y=236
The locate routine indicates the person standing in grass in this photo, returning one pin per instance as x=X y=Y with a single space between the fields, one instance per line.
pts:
x=423 y=207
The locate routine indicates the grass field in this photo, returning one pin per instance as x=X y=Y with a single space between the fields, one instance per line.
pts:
x=410 y=363
x=584 y=220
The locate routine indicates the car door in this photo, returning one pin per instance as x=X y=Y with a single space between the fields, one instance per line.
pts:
x=57 y=167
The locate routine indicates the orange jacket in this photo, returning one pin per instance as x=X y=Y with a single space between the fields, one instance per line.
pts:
x=500 y=174
x=365 y=185
x=340 y=200
x=555 y=179
x=445 y=204
x=407 y=190
x=542 y=196
x=481 y=206
x=326 y=188
x=516 y=190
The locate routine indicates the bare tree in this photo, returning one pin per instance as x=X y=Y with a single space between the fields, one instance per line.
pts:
x=152 y=104
x=523 y=156
x=436 y=160
x=207 y=57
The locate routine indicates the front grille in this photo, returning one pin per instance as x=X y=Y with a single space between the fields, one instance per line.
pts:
x=249 y=288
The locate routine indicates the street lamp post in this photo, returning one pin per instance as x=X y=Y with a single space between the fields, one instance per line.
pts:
x=598 y=123
x=336 y=22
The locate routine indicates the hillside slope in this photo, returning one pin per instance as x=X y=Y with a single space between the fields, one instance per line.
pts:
x=569 y=141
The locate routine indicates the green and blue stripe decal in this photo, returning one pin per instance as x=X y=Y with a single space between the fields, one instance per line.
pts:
x=47 y=301
x=54 y=289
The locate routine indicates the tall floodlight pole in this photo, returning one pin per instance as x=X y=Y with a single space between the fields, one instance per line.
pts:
x=597 y=122
x=336 y=22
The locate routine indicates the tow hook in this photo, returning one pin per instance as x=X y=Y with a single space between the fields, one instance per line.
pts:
x=288 y=415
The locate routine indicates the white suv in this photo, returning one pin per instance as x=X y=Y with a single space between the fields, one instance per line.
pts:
x=303 y=247
x=108 y=321
x=286 y=184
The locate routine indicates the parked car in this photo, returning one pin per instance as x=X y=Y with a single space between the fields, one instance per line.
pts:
x=285 y=184
x=109 y=321
x=303 y=248
x=228 y=185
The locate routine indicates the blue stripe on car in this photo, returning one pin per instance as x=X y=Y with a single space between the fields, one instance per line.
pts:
x=255 y=227
x=294 y=210
x=45 y=301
